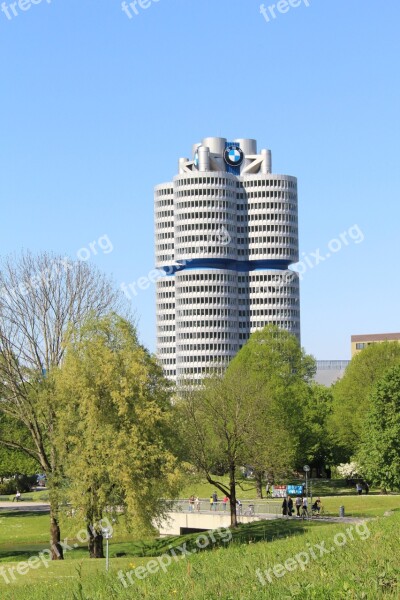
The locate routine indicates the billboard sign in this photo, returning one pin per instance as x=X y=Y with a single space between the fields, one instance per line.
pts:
x=279 y=491
x=295 y=490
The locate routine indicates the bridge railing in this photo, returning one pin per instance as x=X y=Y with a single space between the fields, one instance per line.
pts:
x=245 y=508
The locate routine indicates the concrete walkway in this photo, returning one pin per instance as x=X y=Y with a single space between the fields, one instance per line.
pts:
x=25 y=505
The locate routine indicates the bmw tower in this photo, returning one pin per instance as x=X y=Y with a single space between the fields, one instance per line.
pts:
x=226 y=232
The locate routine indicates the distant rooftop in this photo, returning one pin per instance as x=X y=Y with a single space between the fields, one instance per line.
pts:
x=376 y=337
x=329 y=371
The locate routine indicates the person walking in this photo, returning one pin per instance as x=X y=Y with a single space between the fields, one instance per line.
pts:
x=197 y=503
x=225 y=501
x=290 y=506
x=212 y=502
x=359 y=488
x=299 y=502
x=215 y=500
x=191 y=503
x=284 y=507
x=268 y=489
x=304 y=512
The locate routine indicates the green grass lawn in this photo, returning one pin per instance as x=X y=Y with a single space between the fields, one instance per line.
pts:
x=361 y=570
x=40 y=496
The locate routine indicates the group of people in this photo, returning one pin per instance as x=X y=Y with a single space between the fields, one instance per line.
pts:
x=300 y=503
x=194 y=503
x=214 y=501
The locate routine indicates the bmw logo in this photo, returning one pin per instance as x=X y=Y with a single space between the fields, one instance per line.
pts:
x=233 y=156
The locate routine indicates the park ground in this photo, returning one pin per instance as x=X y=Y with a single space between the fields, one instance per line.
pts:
x=361 y=563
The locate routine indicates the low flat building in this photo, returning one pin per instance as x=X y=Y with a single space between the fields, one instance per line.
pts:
x=359 y=342
x=329 y=371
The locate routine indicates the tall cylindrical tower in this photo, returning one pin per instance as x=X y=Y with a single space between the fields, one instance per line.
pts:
x=226 y=235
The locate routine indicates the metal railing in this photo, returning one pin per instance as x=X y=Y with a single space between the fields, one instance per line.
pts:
x=245 y=508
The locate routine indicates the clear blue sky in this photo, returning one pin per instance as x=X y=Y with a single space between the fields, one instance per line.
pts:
x=96 y=109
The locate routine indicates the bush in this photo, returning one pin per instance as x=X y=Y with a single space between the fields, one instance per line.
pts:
x=23 y=483
x=8 y=487
x=26 y=482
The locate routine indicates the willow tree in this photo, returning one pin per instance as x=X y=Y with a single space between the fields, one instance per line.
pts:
x=41 y=297
x=117 y=430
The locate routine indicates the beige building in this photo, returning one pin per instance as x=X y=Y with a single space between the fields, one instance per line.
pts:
x=359 y=342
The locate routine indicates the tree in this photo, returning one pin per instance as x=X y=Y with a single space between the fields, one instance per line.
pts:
x=214 y=425
x=40 y=298
x=351 y=395
x=116 y=427
x=14 y=462
x=252 y=415
x=281 y=372
x=379 y=453
x=318 y=447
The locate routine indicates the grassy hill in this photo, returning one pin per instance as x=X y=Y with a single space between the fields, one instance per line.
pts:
x=302 y=560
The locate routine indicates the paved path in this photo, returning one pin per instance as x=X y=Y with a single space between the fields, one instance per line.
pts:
x=25 y=505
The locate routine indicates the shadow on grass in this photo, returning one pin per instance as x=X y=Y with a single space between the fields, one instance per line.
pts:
x=20 y=555
x=21 y=512
x=257 y=531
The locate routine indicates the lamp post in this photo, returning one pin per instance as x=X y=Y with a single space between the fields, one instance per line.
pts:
x=107 y=536
x=306 y=469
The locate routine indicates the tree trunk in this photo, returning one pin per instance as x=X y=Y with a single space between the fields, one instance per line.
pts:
x=258 y=477
x=57 y=552
x=232 y=489
x=95 y=544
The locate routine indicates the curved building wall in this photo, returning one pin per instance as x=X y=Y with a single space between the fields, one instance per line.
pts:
x=205 y=210
x=206 y=321
x=164 y=224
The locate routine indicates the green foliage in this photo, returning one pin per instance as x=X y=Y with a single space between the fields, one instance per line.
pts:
x=277 y=368
x=214 y=424
x=21 y=483
x=352 y=395
x=115 y=424
x=316 y=441
x=379 y=454
x=8 y=487
x=273 y=354
x=253 y=414
x=14 y=461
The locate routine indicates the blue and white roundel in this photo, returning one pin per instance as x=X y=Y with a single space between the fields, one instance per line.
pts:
x=233 y=156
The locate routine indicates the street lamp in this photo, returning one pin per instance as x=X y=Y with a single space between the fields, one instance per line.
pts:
x=306 y=469
x=107 y=535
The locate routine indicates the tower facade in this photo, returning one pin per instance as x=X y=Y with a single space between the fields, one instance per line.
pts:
x=226 y=232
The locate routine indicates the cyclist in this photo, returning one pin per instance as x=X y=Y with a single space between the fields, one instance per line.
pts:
x=316 y=507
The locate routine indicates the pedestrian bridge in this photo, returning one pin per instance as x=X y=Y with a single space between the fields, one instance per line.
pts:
x=185 y=518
